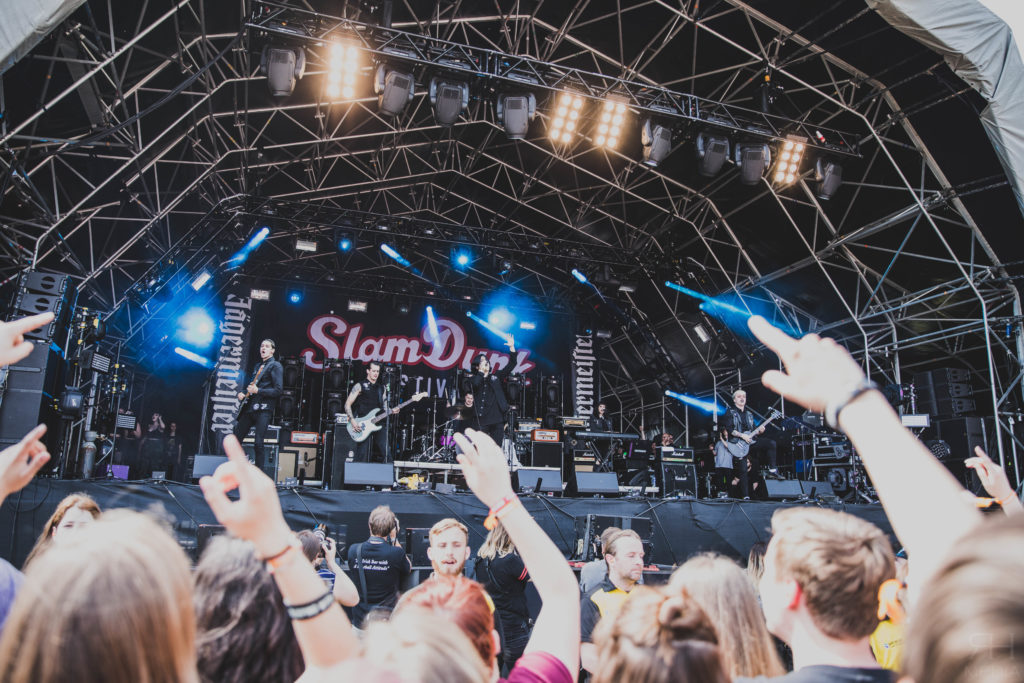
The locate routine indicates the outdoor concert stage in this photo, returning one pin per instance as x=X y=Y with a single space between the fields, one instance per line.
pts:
x=679 y=527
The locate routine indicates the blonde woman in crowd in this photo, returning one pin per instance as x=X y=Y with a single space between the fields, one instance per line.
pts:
x=72 y=513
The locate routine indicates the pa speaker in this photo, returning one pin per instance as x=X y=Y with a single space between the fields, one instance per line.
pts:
x=204 y=465
x=678 y=479
x=340 y=448
x=369 y=474
x=546 y=454
x=26 y=402
x=783 y=489
x=596 y=483
x=550 y=480
x=416 y=543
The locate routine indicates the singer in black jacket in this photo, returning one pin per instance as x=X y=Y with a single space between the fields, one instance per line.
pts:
x=490 y=404
x=261 y=398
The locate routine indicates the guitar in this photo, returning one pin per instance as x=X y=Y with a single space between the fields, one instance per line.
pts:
x=371 y=421
x=741 y=447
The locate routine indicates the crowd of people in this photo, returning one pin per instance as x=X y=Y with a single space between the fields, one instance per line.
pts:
x=109 y=596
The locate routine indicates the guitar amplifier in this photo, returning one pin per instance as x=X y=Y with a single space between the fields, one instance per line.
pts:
x=546 y=454
x=546 y=435
x=671 y=455
x=679 y=478
x=269 y=451
x=574 y=422
x=273 y=435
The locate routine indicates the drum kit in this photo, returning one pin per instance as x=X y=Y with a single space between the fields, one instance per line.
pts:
x=435 y=440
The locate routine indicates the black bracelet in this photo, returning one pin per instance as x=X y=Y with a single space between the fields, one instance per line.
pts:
x=833 y=410
x=310 y=609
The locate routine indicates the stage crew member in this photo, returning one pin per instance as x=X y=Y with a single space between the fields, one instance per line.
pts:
x=261 y=399
x=363 y=398
x=490 y=404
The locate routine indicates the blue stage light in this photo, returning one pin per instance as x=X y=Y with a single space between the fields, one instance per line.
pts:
x=501 y=318
x=194 y=357
x=706 y=406
x=527 y=325
x=432 y=325
x=295 y=296
x=488 y=326
x=344 y=244
x=461 y=258
x=242 y=254
x=579 y=276
x=390 y=251
x=196 y=328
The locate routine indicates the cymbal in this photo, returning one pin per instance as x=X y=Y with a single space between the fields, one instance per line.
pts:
x=454 y=412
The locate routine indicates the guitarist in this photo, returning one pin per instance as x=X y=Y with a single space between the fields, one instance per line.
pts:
x=364 y=397
x=260 y=398
x=739 y=420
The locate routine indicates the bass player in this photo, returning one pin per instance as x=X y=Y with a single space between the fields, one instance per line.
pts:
x=364 y=397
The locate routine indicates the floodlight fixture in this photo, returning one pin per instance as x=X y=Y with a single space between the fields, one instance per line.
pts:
x=449 y=99
x=828 y=176
x=201 y=280
x=395 y=90
x=565 y=118
x=712 y=153
x=357 y=306
x=753 y=160
x=609 y=123
x=305 y=245
x=259 y=294
x=702 y=333
x=787 y=167
x=515 y=113
x=341 y=71
x=284 y=67
x=656 y=140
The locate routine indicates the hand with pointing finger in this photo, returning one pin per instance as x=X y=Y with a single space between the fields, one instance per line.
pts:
x=13 y=345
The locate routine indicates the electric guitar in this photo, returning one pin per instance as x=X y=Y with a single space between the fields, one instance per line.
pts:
x=741 y=447
x=245 y=399
x=371 y=421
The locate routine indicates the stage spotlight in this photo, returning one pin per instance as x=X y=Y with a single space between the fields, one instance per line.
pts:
x=344 y=240
x=702 y=333
x=283 y=67
x=565 y=118
x=295 y=296
x=194 y=357
x=752 y=159
x=196 y=328
x=579 y=276
x=394 y=89
x=242 y=254
x=71 y=402
x=712 y=151
x=828 y=176
x=706 y=406
x=357 y=306
x=787 y=168
x=305 y=245
x=403 y=307
x=390 y=251
x=501 y=318
x=341 y=72
x=201 y=280
x=527 y=325
x=657 y=142
x=504 y=266
x=461 y=258
x=259 y=294
x=449 y=98
x=515 y=113
x=609 y=124
x=432 y=325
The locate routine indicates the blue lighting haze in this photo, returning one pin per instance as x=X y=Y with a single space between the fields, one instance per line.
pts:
x=706 y=406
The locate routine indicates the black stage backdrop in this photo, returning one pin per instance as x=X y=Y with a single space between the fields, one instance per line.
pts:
x=680 y=527
x=321 y=327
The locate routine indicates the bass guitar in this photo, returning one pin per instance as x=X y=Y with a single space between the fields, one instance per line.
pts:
x=741 y=447
x=371 y=421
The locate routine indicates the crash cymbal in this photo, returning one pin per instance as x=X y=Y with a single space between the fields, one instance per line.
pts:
x=454 y=412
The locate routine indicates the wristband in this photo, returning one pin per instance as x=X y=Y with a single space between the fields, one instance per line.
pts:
x=310 y=609
x=834 y=408
x=500 y=511
x=275 y=560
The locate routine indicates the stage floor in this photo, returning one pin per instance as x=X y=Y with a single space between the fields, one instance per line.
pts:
x=679 y=527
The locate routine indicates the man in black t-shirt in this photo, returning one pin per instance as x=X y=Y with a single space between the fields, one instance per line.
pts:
x=364 y=397
x=819 y=594
x=378 y=566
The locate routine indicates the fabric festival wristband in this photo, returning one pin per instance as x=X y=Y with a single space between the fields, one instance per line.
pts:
x=310 y=609
x=498 y=512
x=834 y=408
x=274 y=560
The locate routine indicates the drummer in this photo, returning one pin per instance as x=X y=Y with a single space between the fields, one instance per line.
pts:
x=465 y=415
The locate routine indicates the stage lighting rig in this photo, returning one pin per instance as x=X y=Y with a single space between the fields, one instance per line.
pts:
x=259 y=294
x=341 y=72
x=515 y=113
x=609 y=124
x=395 y=90
x=712 y=152
x=753 y=160
x=787 y=168
x=656 y=140
x=284 y=67
x=828 y=176
x=565 y=118
x=449 y=98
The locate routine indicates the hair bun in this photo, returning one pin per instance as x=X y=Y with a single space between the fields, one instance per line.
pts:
x=680 y=618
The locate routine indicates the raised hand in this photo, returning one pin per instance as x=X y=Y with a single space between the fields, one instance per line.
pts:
x=13 y=346
x=256 y=516
x=992 y=476
x=20 y=462
x=485 y=468
x=817 y=370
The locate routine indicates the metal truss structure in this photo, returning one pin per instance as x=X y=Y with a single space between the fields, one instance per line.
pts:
x=139 y=143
